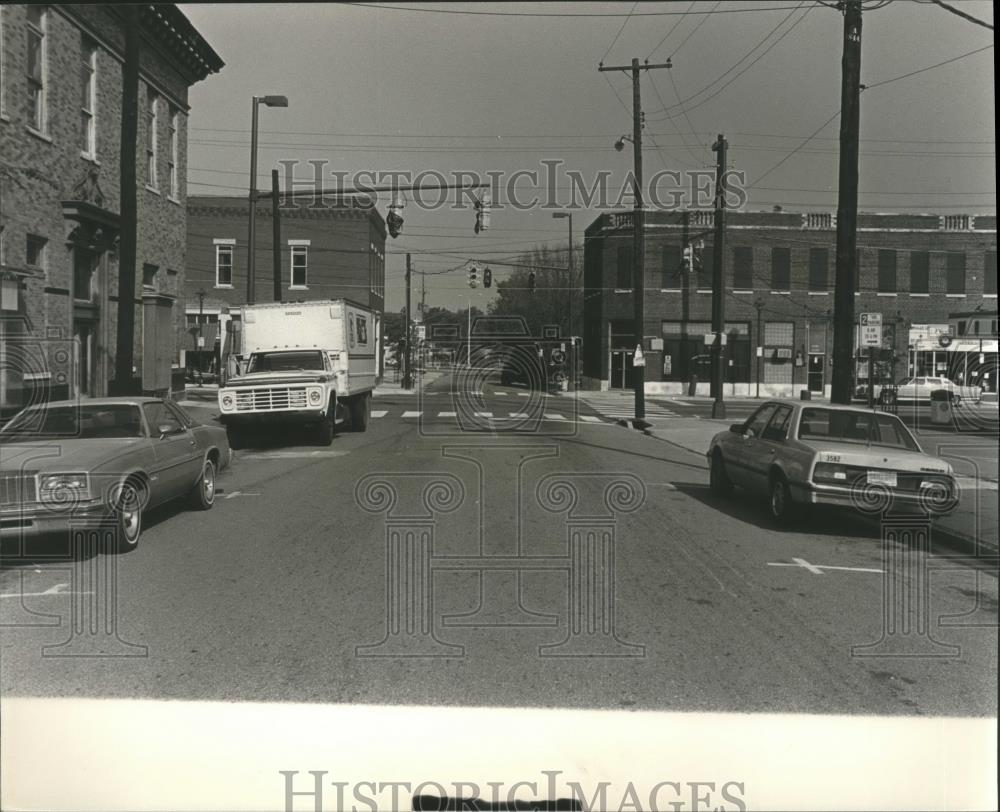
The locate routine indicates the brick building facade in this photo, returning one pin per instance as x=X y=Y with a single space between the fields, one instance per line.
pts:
x=915 y=269
x=61 y=124
x=333 y=252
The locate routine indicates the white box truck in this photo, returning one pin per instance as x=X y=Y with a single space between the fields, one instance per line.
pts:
x=310 y=363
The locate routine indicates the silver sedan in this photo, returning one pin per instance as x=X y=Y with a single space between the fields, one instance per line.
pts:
x=805 y=454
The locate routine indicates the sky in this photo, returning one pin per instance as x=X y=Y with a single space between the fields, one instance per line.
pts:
x=507 y=87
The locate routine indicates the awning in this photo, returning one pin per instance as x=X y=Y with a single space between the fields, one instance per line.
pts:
x=972 y=345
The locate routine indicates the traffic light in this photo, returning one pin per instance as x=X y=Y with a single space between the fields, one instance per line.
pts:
x=487 y=278
x=531 y=282
x=394 y=220
x=483 y=213
x=473 y=276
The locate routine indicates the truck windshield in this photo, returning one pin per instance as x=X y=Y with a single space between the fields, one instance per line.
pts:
x=281 y=361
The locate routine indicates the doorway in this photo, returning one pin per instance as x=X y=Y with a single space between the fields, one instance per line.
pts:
x=84 y=333
x=622 y=371
x=817 y=366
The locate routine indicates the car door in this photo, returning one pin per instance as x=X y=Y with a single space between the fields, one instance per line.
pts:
x=767 y=447
x=747 y=445
x=178 y=458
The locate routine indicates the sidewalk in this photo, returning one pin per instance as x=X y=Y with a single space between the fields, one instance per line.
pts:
x=395 y=387
x=974 y=520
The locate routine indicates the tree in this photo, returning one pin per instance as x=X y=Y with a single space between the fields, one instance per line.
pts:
x=558 y=294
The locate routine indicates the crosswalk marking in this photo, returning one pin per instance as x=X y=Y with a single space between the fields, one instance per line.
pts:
x=447 y=414
x=520 y=415
x=483 y=414
x=553 y=416
x=412 y=414
x=590 y=418
x=499 y=393
x=379 y=413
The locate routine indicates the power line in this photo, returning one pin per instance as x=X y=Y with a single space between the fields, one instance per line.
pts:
x=962 y=14
x=624 y=23
x=693 y=30
x=929 y=67
x=580 y=15
x=670 y=30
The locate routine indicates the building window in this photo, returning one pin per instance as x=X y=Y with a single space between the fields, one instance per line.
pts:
x=84 y=275
x=920 y=272
x=781 y=269
x=34 y=252
x=37 y=68
x=299 y=264
x=672 y=258
x=990 y=273
x=886 y=271
x=819 y=269
x=779 y=338
x=172 y=153
x=152 y=103
x=956 y=272
x=149 y=276
x=224 y=263
x=88 y=101
x=743 y=267
x=624 y=281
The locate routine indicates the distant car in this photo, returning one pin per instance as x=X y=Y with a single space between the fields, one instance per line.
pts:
x=104 y=460
x=799 y=454
x=919 y=390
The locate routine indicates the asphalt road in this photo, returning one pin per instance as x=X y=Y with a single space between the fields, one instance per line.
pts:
x=269 y=595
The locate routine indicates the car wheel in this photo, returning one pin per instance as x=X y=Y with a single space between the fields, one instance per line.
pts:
x=128 y=508
x=203 y=492
x=326 y=430
x=360 y=411
x=779 y=502
x=719 y=481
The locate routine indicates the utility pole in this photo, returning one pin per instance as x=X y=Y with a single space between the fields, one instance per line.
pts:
x=718 y=265
x=406 y=329
x=638 y=225
x=124 y=383
x=759 y=304
x=276 y=234
x=847 y=207
x=423 y=295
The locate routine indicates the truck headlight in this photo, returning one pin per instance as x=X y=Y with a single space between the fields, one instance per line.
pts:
x=63 y=489
x=226 y=401
x=315 y=397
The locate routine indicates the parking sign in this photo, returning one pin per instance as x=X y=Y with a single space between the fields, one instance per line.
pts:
x=871 y=329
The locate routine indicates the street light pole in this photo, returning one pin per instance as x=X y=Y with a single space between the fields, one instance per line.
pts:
x=269 y=101
x=561 y=215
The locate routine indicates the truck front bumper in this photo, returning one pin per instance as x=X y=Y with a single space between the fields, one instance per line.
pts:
x=283 y=416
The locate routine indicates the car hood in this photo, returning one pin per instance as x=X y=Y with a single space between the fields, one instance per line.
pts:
x=276 y=378
x=73 y=455
x=879 y=457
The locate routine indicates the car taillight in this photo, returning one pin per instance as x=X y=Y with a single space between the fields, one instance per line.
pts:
x=830 y=472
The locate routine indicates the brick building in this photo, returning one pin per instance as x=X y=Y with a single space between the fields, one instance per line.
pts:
x=61 y=124
x=334 y=252
x=915 y=269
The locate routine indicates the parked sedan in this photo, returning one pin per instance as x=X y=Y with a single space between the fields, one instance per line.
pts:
x=919 y=390
x=104 y=460
x=800 y=454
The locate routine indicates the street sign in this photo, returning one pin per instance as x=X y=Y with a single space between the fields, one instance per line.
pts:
x=871 y=329
x=668 y=365
x=638 y=360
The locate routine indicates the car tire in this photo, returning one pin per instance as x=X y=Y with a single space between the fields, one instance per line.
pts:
x=779 y=501
x=719 y=482
x=326 y=429
x=128 y=510
x=203 y=493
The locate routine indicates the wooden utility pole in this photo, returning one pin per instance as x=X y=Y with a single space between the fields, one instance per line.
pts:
x=718 y=289
x=124 y=382
x=406 y=329
x=847 y=207
x=276 y=233
x=638 y=225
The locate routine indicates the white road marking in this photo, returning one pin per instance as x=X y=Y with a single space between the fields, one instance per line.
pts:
x=58 y=589
x=482 y=414
x=817 y=569
x=238 y=493
x=524 y=394
x=973 y=484
x=379 y=414
x=670 y=486
x=500 y=393
x=520 y=415
x=292 y=455
x=553 y=416
x=590 y=418
x=447 y=414
x=412 y=414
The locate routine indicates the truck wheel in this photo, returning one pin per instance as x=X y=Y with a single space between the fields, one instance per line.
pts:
x=327 y=428
x=360 y=412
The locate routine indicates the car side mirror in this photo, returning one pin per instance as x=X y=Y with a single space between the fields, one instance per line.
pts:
x=736 y=428
x=166 y=429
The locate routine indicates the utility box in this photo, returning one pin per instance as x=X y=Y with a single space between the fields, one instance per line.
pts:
x=941 y=407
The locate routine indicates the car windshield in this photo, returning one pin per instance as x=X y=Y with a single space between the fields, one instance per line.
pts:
x=281 y=361
x=78 y=421
x=845 y=426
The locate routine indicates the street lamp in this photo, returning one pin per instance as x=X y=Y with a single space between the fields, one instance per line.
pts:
x=268 y=101
x=564 y=215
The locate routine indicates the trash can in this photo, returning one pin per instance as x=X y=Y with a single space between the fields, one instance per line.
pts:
x=940 y=407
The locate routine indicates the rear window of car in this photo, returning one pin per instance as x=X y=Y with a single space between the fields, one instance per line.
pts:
x=843 y=426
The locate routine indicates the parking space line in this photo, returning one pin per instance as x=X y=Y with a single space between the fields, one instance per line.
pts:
x=817 y=569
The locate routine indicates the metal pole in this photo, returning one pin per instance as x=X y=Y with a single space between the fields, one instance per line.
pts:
x=276 y=235
x=638 y=242
x=570 y=286
x=760 y=347
x=719 y=256
x=847 y=206
x=406 y=329
x=252 y=228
